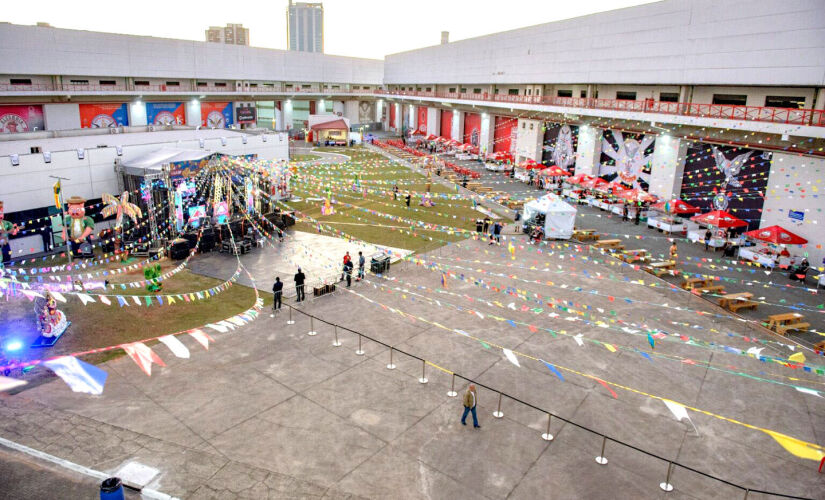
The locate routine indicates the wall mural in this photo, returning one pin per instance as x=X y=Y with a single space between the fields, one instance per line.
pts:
x=627 y=157
x=366 y=112
x=21 y=118
x=505 y=134
x=472 y=129
x=560 y=143
x=727 y=178
x=103 y=115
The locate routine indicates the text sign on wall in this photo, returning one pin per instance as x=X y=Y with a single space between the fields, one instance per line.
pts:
x=796 y=215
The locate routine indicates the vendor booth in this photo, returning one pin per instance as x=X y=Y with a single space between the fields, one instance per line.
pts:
x=769 y=247
x=550 y=213
x=667 y=216
x=572 y=186
x=719 y=222
x=331 y=132
x=499 y=162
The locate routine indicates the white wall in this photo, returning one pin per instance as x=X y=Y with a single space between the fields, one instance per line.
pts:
x=668 y=166
x=529 y=140
x=433 y=121
x=351 y=111
x=713 y=42
x=487 y=135
x=798 y=183
x=137 y=114
x=29 y=186
x=61 y=116
x=32 y=50
x=193 y=112
x=588 y=150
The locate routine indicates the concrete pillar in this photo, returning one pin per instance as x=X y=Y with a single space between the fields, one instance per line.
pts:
x=589 y=150
x=487 y=138
x=379 y=108
x=286 y=111
x=321 y=107
x=529 y=140
x=458 y=126
x=433 y=121
x=351 y=111
x=412 y=114
x=192 y=111
x=668 y=167
x=137 y=114
x=279 y=116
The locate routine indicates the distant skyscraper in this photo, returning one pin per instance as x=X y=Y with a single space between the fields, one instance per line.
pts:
x=305 y=26
x=233 y=34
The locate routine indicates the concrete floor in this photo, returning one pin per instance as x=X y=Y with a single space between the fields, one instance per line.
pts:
x=270 y=412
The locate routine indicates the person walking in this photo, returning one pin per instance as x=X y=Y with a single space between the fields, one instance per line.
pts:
x=361 y=263
x=395 y=192
x=348 y=272
x=277 y=291
x=638 y=214
x=407 y=199
x=299 y=285
x=673 y=254
x=708 y=235
x=479 y=226
x=497 y=227
x=486 y=223
x=470 y=402
x=347 y=260
x=625 y=212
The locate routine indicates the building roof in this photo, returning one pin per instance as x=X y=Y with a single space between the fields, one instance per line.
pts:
x=338 y=124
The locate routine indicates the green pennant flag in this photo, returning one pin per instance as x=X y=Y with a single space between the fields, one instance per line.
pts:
x=484 y=344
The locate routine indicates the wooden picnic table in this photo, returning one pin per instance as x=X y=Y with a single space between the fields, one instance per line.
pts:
x=736 y=301
x=608 y=243
x=781 y=323
x=585 y=234
x=631 y=256
x=691 y=283
x=710 y=289
x=660 y=268
x=640 y=251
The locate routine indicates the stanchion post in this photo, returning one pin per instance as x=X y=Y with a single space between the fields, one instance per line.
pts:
x=666 y=486
x=360 y=351
x=312 y=331
x=451 y=393
x=336 y=342
x=391 y=366
x=290 y=321
x=423 y=378
x=747 y=491
x=601 y=459
x=547 y=436
x=498 y=413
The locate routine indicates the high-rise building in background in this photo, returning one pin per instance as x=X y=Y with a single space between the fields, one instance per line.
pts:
x=233 y=34
x=305 y=26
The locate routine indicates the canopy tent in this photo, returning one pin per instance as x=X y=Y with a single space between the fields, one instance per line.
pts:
x=501 y=156
x=593 y=183
x=559 y=217
x=554 y=171
x=776 y=235
x=579 y=179
x=720 y=219
x=432 y=137
x=613 y=187
x=637 y=195
x=530 y=164
x=676 y=207
x=151 y=164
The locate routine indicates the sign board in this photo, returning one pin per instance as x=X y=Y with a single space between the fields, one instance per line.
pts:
x=796 y=215
x=246 y=115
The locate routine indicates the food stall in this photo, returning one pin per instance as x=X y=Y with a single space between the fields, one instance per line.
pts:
x=466 y=152
x=552 y=175
x=719 y=222
x=667 y=215
x=556 y=217
x=522 y=170
x=572 y=186
x=501 y=161
x=769 y=249
x=592 y=197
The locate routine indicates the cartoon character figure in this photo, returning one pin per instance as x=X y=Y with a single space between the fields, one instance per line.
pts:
x=152 y=273
x=6 y=229
x=730 y=169
x=630 y=159
x=80 y=226
x=51 y=320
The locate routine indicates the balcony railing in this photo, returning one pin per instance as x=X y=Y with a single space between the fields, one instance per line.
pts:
x=795 y=116
x=211 y=89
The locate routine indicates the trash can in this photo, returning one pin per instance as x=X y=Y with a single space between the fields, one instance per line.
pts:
x=111 y=489
x=379 y=263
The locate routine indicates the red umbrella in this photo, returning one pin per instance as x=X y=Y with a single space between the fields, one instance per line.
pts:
x=776 y=235
x=614 y=187
x=593 y=183
x=720 y=219
x=579 y=179
x=555 y=171
x=432 y=137
x=528 y=164
x=675 y=207
x=637 y=195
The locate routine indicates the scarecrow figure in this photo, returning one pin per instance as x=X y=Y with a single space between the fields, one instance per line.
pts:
x=80 y=226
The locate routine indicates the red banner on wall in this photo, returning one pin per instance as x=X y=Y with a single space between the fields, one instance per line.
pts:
x=21 y=118
x=103 y=115
x=422 y=119
x=392 y=115
x=472 y=129
x=504 y=135
x=446 y=124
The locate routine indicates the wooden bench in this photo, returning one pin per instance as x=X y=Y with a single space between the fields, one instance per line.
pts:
x=820 y=346
x=781 y=323
x=743 y=304
x=783 y=329
x=609 y=244
x=691 y=283
x=660 y=268
x=710 y=288
x=736 y=301
x=585 y=234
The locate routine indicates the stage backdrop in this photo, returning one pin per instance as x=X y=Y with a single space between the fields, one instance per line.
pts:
x=727 y=178
x=103 y=115
x=472 y=128
x=216 y=114
x=24 y=118
x=560 y=143
x=627 y=158
x=504 y=135
x=165 y=113
x=422 y=119
x=446 y=124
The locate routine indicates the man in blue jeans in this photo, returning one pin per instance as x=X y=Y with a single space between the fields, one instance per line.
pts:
x=470 y=401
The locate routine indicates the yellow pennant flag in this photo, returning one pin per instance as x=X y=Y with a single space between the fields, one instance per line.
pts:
x=796 y=447
x=609 y=347
x=797 y=357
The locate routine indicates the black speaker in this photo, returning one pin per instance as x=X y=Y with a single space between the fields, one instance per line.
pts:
x=192 y=238
x=179 y=249
x=207 y=241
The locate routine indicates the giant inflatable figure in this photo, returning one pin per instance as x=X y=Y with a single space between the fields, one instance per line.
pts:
x=6 y=229
x=80 y=225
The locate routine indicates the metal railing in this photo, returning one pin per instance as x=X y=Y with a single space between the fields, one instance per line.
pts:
x=601 y=459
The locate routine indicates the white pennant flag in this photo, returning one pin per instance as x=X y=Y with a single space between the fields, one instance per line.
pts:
x=679 y=411
x=511 y=357
x=218 y=328
x=175 y=345
x=80 y=376
x=578 y=339
x=85 y=298
x=8 y=383
x=805 y=390
x=754 y=351
x=58 y=296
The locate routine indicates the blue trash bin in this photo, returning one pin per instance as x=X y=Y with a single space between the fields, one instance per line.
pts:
x=111 y=489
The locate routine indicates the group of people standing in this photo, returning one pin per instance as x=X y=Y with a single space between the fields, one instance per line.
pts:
x=300 y=279
x=493 y=229
x=349 y=266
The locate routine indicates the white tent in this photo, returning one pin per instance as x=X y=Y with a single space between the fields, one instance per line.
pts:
x=151 y=163
x=559 y=217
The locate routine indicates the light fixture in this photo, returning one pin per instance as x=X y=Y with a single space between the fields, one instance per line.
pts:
x=223 y=141
x=81 y=153
x=263 y=137
x=47 y=157
x=243 y=139
x=201 y=143
x=15 y=159
x=194 y=101
x=119 y=150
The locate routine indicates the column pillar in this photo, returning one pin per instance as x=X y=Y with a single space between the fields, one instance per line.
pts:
x=286 y=111
x=412 y=113
x=589 y=150
x=433 y=121
x=193 y=112
x=668 y=167
x=458 y=126
x=487 y=139
x=351 y=111
x=137 y=114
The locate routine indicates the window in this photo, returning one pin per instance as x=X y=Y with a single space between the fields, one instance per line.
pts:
x=476 y=91
x=356 y=87
x=538 y=91
x=21 y=81
x=452 y=90
x=289 y=85
x=463 y=90
x=564 y=93
x=782 y=101
x=141 y=82
x=220 y=84
x=668 y=97
x=429 y=89
x=173 y=84
x=529 y=91
x=35 y=149
x=738 y=100
x=307 y=86
x=366 y=87
x=625 y=96
x=253 y=84
x=335 y=87
x=495 y=91
x=201 y=84
x=79 y=82
x=512 y=91
x=583 y=94
x=108 y=82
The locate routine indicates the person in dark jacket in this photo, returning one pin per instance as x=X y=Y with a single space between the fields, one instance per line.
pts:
x=348 y=272
x=299 y=285
x=277 y=291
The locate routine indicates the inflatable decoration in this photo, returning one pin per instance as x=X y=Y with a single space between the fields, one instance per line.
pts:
x=51 y=321
x=152 y=272
x=79 y=229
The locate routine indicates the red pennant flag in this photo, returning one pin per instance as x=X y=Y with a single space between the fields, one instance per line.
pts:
x=202 y=337
x=606 y=387
x=143 y=355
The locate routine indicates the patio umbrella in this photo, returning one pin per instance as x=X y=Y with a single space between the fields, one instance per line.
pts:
x=579 y=179
x=431 y=137
x=615 y=188
x=555 y=171
x=776 y=235
x=720 y=219
x=593 y=183
x=637 y=195
x=677 y=207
